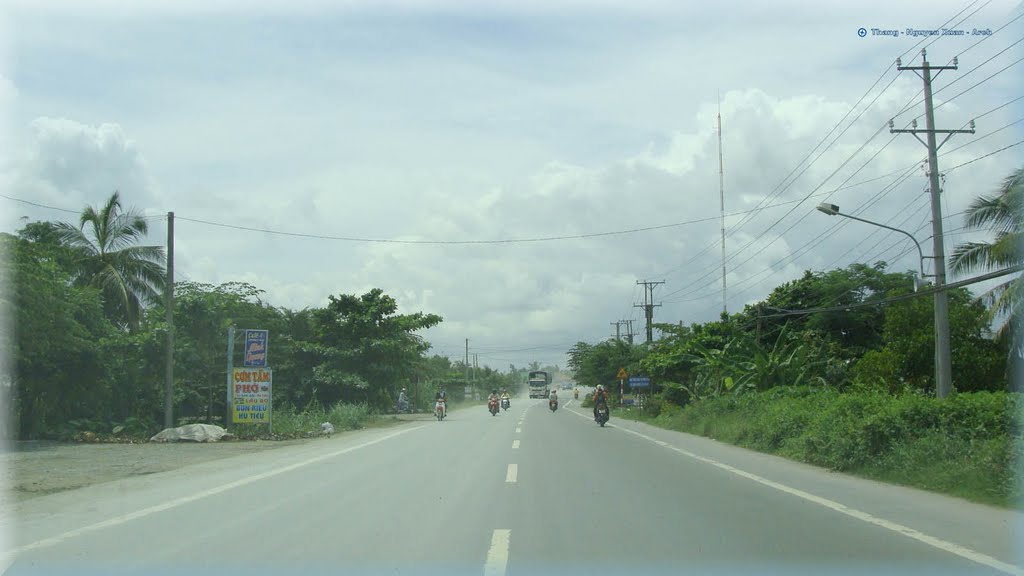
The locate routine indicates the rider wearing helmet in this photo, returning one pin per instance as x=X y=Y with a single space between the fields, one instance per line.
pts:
x=600 y=395
x=442 y=397
x=403 y=400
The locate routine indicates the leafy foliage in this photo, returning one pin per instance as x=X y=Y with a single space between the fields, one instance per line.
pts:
x=106 y=257
x=1002 y=214
x=906 y=359
x=361 y=345
x=78 y=370
x=57 y=327
x=964 y=445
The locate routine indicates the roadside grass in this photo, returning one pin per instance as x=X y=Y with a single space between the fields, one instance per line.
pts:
x=289 y=423
x=969 y=445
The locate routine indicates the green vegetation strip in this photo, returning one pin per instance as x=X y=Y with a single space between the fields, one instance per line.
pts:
x=969 y=445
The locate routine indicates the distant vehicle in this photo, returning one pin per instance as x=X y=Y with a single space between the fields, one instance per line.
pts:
x=566 y=386
x=540 y=382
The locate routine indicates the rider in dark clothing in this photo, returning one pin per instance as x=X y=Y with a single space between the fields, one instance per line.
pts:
x=600 y=396
x=442 y=397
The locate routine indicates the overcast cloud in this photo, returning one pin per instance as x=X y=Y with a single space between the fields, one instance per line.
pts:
x=455 y=122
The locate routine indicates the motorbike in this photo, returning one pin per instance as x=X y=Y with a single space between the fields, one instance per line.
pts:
x=575 y=394
x=439 y=410
x=492 y=405
x=553 y=404
x=403 y=407
x=602 y=414
x=505 y=403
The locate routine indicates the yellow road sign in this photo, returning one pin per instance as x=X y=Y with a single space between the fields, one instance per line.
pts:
x=622 y=374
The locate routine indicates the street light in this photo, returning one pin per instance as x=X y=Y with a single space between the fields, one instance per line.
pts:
x=833 y=210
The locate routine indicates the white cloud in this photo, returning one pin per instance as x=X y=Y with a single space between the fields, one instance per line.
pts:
x=465 y=128
x=67 y=163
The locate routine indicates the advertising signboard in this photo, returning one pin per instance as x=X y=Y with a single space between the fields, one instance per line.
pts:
x=255 y=348
x=251 y=395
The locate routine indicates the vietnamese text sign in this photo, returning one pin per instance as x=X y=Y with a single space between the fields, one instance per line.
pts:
x=255 y=348
x=639 y=381
x=250 y=397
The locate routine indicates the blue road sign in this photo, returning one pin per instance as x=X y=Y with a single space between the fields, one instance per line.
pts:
x=639 y=381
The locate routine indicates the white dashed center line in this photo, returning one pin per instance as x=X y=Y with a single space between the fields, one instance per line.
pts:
x=497 y=555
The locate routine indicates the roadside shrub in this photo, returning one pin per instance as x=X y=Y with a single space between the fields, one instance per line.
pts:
x=969 y=444
x=652 y=405
x=290 y=423
x=348 y=416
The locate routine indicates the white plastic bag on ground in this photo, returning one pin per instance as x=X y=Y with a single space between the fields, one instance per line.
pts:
x=327 y=428
x=191 y=433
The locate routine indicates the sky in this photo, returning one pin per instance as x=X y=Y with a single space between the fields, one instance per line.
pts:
x=515 y=167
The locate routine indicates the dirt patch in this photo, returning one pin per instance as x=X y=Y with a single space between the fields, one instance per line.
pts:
x=39 y=468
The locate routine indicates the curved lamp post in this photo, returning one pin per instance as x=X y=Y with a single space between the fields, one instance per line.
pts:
x=833 y=210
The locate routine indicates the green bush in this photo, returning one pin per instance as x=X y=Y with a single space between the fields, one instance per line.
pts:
x=967 y=444
x=289 y=423
x=652 y=405
x=348 y=416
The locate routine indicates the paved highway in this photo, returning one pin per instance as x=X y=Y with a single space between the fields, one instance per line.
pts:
x=525 y=492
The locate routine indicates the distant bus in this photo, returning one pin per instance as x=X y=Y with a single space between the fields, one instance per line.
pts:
x=539 y=384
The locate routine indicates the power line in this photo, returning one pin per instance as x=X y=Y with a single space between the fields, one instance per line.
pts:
x=815 y=242
x=968 y=73
x=921 y=293
x=907 y=172
x=1017 y=143
x=38 y=205
x=839 y=225
x=996 y=31
x=776 y=191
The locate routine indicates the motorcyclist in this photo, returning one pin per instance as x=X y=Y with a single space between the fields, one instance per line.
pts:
x=576 y=393
x=553 y=397
x=493 y=397
x=600 y=395
x=506 y=397
x=442 y=397
x=403 y=400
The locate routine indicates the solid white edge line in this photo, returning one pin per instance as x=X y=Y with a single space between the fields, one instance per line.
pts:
x=497 y=554
x=946 y=546
x=191 y=498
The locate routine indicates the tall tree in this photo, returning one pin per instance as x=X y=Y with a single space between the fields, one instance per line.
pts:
x=363 y=347
x=53 y=345
x=1000 y=213
x=108 y=257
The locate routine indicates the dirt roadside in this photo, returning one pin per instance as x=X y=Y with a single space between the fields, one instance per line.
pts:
x=39 y=468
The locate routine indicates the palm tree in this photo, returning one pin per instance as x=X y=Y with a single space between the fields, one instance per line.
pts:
x=107 y=257
x=1001 y=213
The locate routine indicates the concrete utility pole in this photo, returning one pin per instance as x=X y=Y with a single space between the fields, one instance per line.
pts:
x=721 y=196
x=229 y=391
x=629 y=334
x=943 y=365
x=169 y=292
x=467 y=359
x=618 y=332
x=649 y=305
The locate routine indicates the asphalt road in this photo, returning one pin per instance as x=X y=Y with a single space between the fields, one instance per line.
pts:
x=525 y=492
